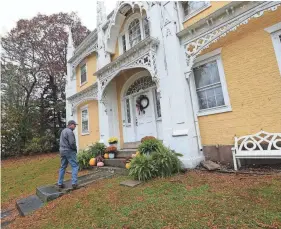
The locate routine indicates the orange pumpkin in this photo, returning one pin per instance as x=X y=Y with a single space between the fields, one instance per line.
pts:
x=128 y=165
x=92 y=162
x=106 y=156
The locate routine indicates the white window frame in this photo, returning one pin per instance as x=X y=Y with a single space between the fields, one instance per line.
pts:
x=80 y=66
x=275 y=32
x=126 y=31
x=81 y=111
x=187 y=17
x=206 y=58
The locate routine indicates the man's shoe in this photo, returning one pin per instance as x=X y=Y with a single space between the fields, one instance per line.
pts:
x=74 y=186
x=61 y=186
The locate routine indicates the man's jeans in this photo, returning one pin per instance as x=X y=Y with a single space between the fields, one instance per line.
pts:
x=68 y=157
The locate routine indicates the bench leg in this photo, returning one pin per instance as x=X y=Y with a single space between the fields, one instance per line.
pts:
x=239 y=163
x=234 y=161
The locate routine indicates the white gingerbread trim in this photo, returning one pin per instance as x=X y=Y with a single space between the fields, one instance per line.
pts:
x=194 y=47
x=142 y=55
x=90 y=93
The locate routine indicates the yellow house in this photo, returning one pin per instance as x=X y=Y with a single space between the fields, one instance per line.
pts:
x=193 y=74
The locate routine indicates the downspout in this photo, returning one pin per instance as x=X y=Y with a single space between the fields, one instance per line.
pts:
x=195 y=118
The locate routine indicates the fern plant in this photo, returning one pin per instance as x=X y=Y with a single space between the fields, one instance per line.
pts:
x=83 y=158
x=143 y=168
x=97 y=149
x=149 y=146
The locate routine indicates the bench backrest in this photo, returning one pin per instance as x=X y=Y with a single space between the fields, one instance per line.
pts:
x=262 y=141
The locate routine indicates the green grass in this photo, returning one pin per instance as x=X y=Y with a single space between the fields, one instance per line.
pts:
x=193 y=200
x=21 y=177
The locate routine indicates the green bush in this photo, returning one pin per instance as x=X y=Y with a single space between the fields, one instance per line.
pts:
x=149 y=146
x=159 y=161
x=166 y=162
x=143 y=168
x=83 y=158
x=38 y=145
x=97 y=149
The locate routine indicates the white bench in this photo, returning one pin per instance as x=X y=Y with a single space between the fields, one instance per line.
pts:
x=261 y=145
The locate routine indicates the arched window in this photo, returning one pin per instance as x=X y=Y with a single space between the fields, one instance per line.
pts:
x=140 y=84
x=134 y=32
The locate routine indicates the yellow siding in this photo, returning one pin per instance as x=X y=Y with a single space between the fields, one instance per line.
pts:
x=91 y=62
x=253 y=81
x=94 y=135
x=120 y=81
x=214 y=6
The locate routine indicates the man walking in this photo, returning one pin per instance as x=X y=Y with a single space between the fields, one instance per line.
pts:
x=68 y=150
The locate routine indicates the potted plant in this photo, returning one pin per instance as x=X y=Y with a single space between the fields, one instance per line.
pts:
x=113 y=141
x=100 y=161
x=112 y=151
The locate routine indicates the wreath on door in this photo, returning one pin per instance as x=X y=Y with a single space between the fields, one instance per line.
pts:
x=142 y=103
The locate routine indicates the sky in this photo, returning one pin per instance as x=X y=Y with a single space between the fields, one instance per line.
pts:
x=13 y=10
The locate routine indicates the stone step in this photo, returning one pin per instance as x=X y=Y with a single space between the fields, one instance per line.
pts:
x=27 y=205
x=123 y=153
x=115 y=170
x=116 y=162
x=131 y=145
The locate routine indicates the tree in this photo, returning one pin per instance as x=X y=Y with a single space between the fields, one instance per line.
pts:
x=33 y=78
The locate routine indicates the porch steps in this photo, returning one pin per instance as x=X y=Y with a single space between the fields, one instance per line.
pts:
x=123 y=153
x=116 y=162
x=131 y=145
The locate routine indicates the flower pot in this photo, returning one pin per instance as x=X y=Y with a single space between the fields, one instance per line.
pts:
x=111 y=155
x=113 y=144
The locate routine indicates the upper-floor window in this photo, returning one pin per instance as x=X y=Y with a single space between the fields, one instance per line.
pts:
x=83 y=74
x=275 y=32
x=135 y=30
x=191 y=8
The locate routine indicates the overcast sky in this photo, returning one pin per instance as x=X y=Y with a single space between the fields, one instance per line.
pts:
x=13 y=10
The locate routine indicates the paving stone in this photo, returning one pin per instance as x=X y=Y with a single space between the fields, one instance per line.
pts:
x=6 y=213
x=130 y=183
x=27 y=205
x=210 y=165
x=48 y=193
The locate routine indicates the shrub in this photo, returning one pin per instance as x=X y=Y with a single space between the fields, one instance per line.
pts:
x=38 y=145
x=83 y=158
x=143 y=168
x=97 y=149
x=166 y=162
x=150 y=145
x=147 y=138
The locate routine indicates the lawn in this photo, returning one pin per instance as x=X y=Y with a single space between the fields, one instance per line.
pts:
x=195 y=199
x=20 y=177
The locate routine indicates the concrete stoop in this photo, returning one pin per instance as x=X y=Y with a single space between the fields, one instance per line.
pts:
x=48 y=193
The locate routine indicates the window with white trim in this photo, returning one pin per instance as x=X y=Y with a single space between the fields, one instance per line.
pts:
x=84 y=120
x=210 y=85
x=157 y=104
x=191 y=8
x=83 y=74
x=136 y=29
x=275 y=32
x=134 y=32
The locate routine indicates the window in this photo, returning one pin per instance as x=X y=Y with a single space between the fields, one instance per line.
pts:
x=210 y=85
x=275 y=32
x=83 y=76
x=158 y=106
x=128 y=111
x=146 y=27
x=85 y=120
x=191 y=8
x=123 y=43
x=134 y=32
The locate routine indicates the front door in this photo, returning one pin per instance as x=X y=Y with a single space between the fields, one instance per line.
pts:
x=144 y=119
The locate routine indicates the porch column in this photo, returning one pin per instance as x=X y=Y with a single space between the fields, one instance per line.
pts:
x=75 y=116
x=179 y=131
